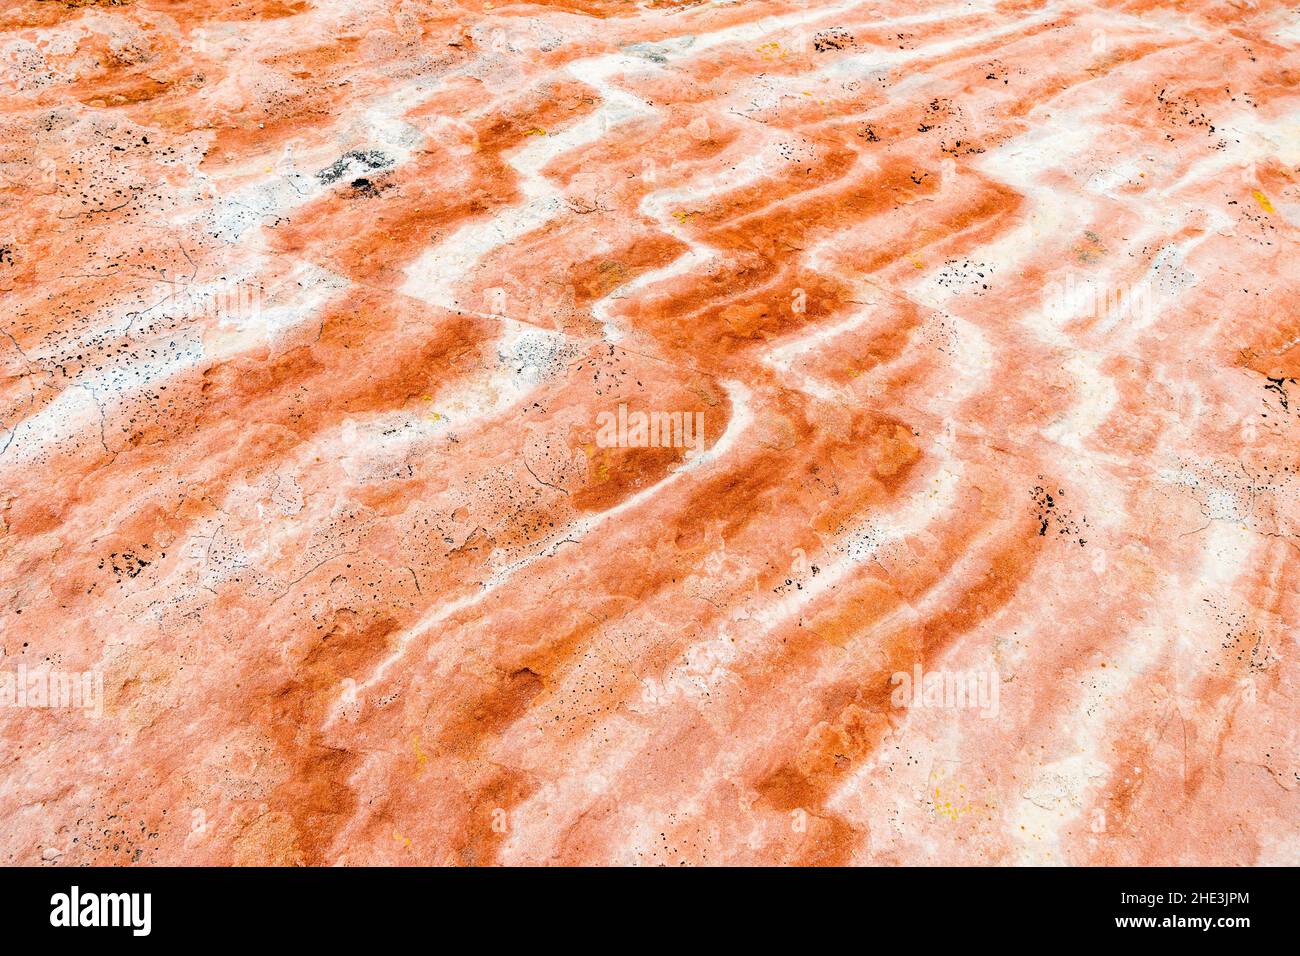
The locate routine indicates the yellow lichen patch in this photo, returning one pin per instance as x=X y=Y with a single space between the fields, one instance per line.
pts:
x=602 y=465
x=956 y=804
x=1264 y=204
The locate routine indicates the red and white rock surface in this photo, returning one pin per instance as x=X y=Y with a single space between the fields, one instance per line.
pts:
x=310 y=310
